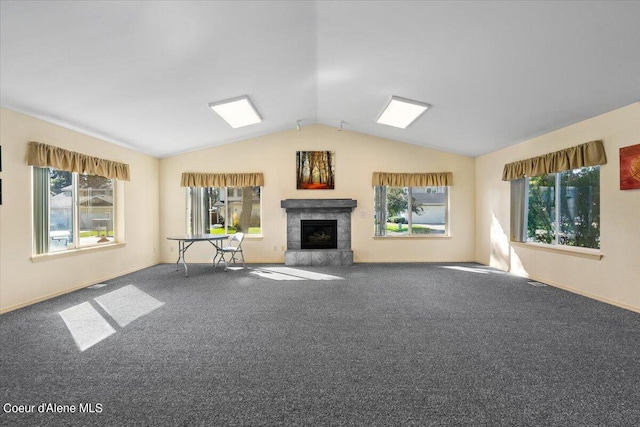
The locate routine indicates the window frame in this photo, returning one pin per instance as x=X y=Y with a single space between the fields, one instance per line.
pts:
x=75 y=244
x=191 y=228
x=410 y=234
x=520 y=206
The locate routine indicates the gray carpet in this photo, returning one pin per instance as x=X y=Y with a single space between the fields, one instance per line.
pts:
x=389 y=345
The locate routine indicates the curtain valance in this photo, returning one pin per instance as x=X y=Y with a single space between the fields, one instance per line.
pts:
x=392 y=179
x=43 y=155
x=194 y=179
x=588 y=154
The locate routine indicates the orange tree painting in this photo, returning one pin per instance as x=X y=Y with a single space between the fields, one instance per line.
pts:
x=315 y=170
x=630 y=167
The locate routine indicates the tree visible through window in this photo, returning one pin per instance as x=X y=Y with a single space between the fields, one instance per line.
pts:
x=224 y=210
x=404 y=211
x=564 y=208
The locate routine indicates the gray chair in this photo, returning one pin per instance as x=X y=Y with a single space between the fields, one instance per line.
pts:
x=234 y=247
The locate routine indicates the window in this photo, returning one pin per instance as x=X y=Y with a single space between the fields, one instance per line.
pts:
x=72 y=210
x=224 y=210
x=562 y=208
x=411 y=211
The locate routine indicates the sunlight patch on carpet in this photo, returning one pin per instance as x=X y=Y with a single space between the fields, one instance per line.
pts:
x=288 y=273
x=86 y=325
x=127 y=304
x=467 y=269
x=537 y=284
x=275 y=276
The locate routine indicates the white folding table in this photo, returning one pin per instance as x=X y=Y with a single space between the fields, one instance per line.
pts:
x=185 y=241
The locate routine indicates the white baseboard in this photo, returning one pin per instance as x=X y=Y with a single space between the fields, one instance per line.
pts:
x=579 y=292
x=587 y=294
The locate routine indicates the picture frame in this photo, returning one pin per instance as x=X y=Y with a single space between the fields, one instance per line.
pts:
x=315 y=170
x=630 y=167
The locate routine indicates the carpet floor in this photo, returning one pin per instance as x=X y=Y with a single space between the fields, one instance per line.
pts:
x=370 y=344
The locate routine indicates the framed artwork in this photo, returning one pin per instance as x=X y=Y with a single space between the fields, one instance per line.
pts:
x=630 y=167
x=315 y=170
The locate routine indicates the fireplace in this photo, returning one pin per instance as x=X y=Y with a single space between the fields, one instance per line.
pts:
x=318 y=231
x=319 y=234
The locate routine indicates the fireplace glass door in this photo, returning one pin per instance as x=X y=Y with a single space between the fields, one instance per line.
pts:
x=319 y=234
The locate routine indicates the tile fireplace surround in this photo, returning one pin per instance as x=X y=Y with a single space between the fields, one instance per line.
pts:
x=303 y=209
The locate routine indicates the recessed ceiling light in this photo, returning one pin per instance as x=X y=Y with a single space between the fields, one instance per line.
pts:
x=401 y=112
x=238 y=112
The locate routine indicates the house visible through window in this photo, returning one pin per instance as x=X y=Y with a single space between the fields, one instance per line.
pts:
x=411 y=211
x=224 y=210
x=564 y=208
x=72 y=210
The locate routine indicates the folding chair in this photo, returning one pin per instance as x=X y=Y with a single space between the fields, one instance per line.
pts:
x=234 y=248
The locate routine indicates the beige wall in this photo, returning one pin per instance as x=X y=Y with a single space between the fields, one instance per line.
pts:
x=357 y=157
x=155 y=206
x=23 y=281
x=616 y=277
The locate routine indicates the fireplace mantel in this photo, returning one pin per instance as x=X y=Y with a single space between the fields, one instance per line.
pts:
x=318 y=209
x=289 y=204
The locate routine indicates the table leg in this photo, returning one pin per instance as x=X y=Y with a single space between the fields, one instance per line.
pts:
x=179 y=254
x=181 y=251
x=216 y=254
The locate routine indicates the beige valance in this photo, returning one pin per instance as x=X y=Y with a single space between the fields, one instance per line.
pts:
x=193 y=179
x=589 y=154
x=43 y=156
x=392 y=179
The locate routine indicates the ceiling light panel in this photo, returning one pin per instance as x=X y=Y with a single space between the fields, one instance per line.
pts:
x=401 y=112
x=238 y=112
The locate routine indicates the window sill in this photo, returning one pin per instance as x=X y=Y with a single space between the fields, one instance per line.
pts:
x=564 y=250
x=75 y=252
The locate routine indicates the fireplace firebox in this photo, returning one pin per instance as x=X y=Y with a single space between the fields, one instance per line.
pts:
x=319 y=234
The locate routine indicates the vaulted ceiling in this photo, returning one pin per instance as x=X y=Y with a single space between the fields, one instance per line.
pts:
x=141 y=73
